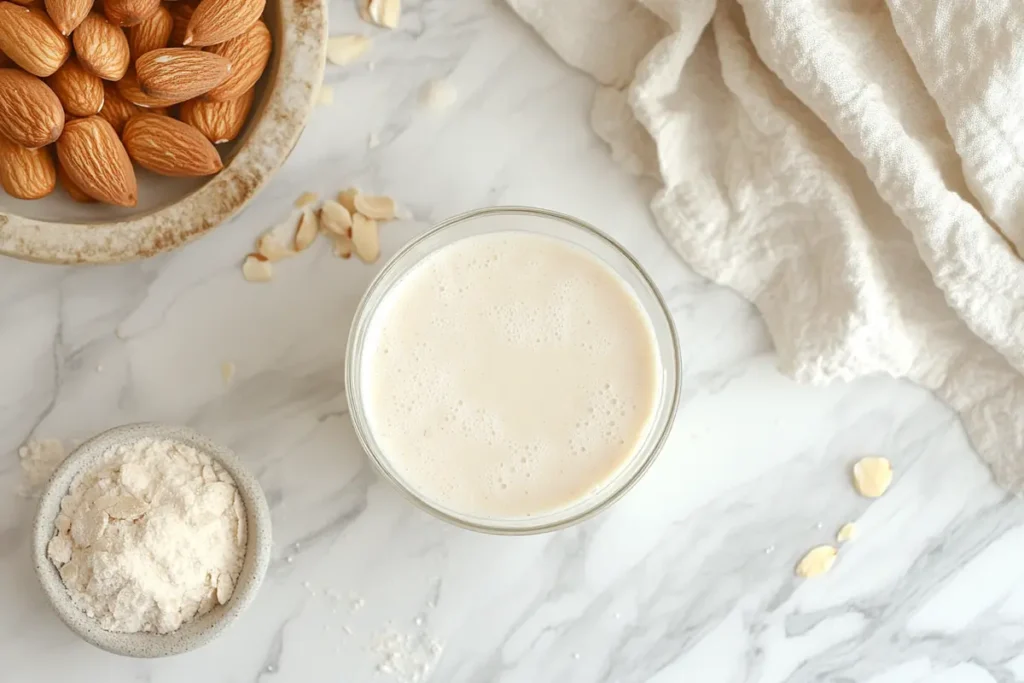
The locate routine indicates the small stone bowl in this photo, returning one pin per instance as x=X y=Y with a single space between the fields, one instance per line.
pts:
x=196 y=632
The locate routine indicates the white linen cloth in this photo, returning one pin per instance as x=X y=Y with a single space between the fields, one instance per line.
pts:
x=855 y=168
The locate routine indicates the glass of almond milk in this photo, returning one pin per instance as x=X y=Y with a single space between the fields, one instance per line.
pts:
x=512 y=371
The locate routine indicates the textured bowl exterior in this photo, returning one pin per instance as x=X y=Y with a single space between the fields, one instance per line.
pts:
x=196 y=632
x=296 y=69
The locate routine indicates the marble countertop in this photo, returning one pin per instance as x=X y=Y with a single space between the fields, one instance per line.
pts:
x=689 y=578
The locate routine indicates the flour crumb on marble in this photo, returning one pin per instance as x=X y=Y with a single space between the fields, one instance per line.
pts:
x=150 y=537
x=847 y=532
x=39 y=460
x=816 y=562
x=406 y=657
x=438 y=95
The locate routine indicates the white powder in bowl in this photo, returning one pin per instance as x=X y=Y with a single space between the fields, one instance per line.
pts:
x=151 y=536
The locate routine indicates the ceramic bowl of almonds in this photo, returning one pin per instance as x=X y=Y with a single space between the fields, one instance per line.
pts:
x=130 y=127
x=151 y=539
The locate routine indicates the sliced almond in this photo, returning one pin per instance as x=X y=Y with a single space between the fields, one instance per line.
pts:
x=343 y=246
x=335 y=218
x=276 y=244
x=384 y=13
x=872 y=476
x=307 y=231
x=257 y=269
x=379 y=208
x=365 y=238
x=816 y=562
x=325 y=96
x=847 y=532
x=305 y=199
x=342 y=50
x=347 y=198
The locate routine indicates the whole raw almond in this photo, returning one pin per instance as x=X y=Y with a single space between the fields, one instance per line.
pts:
x=170 y=147
x=31 y=40
x=68 y=14
x=217 y=21
x=97 y=162
x=102 y=48
x=74 y=191
x=218 y=121
x=152 y=34
x=131 y=90
x=129 y=12
x=116 y=109
x=248 y=54
x=79 y=91
x=181 y=12
x=30 y=113
x=26 y=173
x=180 y=72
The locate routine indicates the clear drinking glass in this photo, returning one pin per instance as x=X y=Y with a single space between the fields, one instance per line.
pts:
x=576 y=232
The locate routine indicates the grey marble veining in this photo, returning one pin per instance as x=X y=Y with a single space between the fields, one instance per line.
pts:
x=689 y=578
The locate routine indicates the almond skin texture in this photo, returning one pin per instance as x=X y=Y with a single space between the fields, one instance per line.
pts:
x=217 y=21
x=180 y=72
x=102 y=48
x=248 y=54
x=74 y=191
x=68 y=14
x=218 y=121
x=5 y=60
x=116 y=109
x=26 y=173
x=131 y=90
x=30 y=113
x=79 y=91
x=96 y=161
x=169 y=147
x=181 y=12
x=30 y=40
x=129 y=12
x=152 y=34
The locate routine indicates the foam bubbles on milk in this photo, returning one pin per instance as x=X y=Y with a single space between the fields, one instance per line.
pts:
x=510 y=375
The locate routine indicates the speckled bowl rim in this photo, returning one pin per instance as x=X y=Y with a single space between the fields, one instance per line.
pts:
x=196 y=632
x=301 y=44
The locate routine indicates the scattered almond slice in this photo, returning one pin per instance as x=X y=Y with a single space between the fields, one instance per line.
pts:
x=276 y=244
x=343 y=246
x=305 y=199
x=872 y=476
x=847 y=532
x=365 y=238
x=384 y=13
x=227 y=371
x=438 y=95
x=257 y=268
x=342 y=50
x=325 y=96
x=335 y=218
x=307 y=231
x=347 y=198
x=816 y=562
x=379 y=208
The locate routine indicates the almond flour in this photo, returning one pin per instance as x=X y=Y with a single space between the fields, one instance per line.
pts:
x=150 y=537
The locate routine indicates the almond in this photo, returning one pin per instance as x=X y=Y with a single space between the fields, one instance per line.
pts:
x=218 y=121
x=343 y=50
x=169 y=147
x=384 y=13
x=152 y=34
x=102 y=48
x=365 y=239
x=131 y=90
x=31 y=40
x=26 y=173
x=307 y=231
x=68 y=14
x=181 y=12
x=30 y=113
x=79 y=91
x=116 y=109
x=180 y=72
x=74 y=191
x=129 y=12
x=248 y=54
x=342 y=246
x=335 y=218
x=217 y=21
x=347 y=198
x=257 y=269
x=96 y=161
x=378 y=208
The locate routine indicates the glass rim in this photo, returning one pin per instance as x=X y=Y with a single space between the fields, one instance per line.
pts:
x=364 y=313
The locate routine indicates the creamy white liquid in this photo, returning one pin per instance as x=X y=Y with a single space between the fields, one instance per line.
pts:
x=509 y=375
